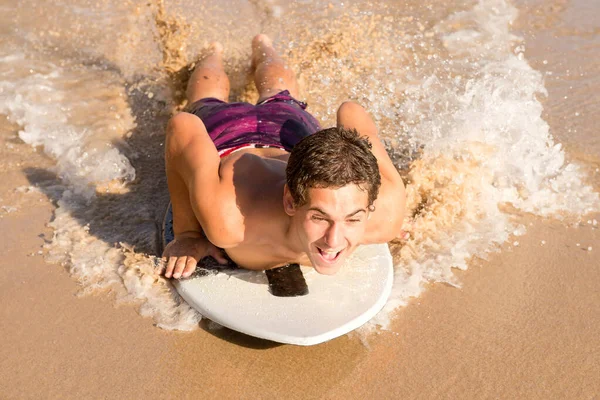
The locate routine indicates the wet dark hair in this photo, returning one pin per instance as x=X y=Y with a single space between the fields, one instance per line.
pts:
x=332 y=158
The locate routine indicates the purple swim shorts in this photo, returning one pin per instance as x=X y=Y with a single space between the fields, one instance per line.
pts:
x=278 y=121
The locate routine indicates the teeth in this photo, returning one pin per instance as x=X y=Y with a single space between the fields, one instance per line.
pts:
x=329 y=254
x=329 y=251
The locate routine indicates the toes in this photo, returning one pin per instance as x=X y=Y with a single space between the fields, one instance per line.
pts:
x=220 y=257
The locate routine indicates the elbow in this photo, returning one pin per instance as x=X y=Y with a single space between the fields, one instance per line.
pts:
x=393 y=231
x=387 y=230
x=397 y=232
x=223 y=241
x=224 y=235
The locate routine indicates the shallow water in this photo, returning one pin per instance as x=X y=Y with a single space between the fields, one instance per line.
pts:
x=460 y=108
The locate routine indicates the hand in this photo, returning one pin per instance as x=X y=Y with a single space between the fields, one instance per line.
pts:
x=182 y=255
x=405 y=232
x=403 y=235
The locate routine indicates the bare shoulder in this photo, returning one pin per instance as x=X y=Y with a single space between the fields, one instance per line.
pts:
x=183 y=130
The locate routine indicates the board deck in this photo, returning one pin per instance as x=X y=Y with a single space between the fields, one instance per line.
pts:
x=335 y=305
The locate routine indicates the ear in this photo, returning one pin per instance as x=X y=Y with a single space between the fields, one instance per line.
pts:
x=288 y=201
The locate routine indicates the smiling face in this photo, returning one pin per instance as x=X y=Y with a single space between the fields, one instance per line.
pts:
x=330 y=225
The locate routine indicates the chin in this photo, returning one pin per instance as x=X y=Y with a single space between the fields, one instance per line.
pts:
x=327 y=269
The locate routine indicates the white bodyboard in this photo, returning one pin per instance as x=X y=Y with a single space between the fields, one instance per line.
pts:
x=335 y=305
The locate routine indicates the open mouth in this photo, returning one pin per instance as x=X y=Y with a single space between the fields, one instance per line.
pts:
x=329 y=256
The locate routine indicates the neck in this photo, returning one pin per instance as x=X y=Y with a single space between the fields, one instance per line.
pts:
x=293 y=242
x=287 y=239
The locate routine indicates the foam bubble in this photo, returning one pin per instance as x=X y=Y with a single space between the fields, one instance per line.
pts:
x=77 y=115
x=457 y=107
x=482 y=143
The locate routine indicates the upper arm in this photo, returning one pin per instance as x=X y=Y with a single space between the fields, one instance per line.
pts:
x=386 y=221
x=351 y=115
x=200 y=200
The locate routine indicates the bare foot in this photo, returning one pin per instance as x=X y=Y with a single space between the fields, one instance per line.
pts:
x=260 y=39
x=215 y=48
x=210 y=54
x=271 y=74
x=262 y=47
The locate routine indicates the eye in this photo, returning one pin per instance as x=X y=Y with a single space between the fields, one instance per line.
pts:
x=354 y=220
x=317 y=218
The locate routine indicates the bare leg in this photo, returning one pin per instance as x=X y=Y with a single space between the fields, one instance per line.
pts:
x=209 y=78
x=271 y=74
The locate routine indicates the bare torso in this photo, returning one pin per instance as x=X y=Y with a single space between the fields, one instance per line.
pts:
x=257 y=177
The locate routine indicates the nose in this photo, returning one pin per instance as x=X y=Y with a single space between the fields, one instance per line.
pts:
x=334 y=237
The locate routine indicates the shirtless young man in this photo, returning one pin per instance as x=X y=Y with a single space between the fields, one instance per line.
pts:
x=232 y=188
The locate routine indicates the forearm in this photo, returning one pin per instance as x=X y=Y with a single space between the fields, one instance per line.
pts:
x=190 y=160
x=385 y=222
x=184 y=219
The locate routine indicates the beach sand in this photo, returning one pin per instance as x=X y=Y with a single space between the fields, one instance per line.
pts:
x=523 y=325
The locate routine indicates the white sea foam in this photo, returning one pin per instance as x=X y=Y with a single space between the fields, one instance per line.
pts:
x=466 y=111
x=485 y=144
x=79 y=114
x=97 y=264
x=70 y=113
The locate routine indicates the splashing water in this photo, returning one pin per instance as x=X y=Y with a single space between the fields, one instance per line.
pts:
x=486 y=146
x=46 y=101
x=450 y=88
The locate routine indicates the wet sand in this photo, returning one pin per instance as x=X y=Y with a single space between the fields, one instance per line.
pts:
x=524 y=324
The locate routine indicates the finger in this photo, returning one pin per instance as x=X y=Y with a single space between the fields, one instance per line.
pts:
x=403 y=235
x=218 y=255
x=179 y=267
x=170 y=266
x=190 y=267
x=221 y=258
